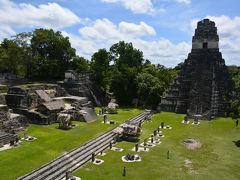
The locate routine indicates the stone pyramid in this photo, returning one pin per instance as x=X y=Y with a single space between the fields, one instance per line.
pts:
x=203 y=86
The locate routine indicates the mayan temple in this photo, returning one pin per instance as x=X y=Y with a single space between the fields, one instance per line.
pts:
x=203 y=86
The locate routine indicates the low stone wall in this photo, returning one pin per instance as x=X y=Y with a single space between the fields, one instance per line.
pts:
x=33 y=116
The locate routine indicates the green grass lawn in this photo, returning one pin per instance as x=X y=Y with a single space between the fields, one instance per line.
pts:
x=52 y=142
x=218 y=158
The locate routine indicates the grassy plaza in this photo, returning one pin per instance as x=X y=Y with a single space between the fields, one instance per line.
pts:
x=218 y=158
x=52 y=142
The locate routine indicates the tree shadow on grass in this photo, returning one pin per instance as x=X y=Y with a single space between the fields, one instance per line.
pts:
x=127 y=108
x=237 y=143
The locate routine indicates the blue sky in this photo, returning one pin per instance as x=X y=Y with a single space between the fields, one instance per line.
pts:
x=162 y=29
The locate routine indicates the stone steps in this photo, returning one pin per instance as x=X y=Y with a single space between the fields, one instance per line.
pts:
x=79 y=161
x=5 y=138
x=83 y=155
x=48 y=168
x=1 y=124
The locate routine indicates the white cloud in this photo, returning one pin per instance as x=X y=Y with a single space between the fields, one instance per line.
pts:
x=144 y=6
x=6 y=31
x=186 y=2
x=229 y=36
x=103 y=33
x=51 y=15
x=136 y=30
x=136 y=6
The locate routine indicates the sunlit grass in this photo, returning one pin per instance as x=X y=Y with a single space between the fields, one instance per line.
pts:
x=52 y=142
x=218 y=158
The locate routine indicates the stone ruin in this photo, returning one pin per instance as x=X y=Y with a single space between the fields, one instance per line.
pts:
x=65 y=121
x=203 y=85
x=80 y=84
x=128 y=132
x=9 y=121
x=9 y=124
x=41 y=104
x=10 y=79
x=112 y=107
x=44 y=104
x=131 y=158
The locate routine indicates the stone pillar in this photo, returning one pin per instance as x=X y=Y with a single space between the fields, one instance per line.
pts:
x=136 y=147
x=155 y=133
x=124 y=171
x=93 y=157
x=104 y=118
x=68 y=175
x=140 y=123
x=145 y=144
x=162 y=125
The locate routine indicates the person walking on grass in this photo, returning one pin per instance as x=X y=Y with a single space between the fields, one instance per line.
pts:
x=237 y=123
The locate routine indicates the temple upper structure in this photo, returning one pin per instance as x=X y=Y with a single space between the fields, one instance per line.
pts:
x=206 y=36
x=203 y=85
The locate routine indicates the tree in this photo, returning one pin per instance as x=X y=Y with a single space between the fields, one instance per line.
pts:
x=123 y=85
x=152 y=82
x=166 y=75
x=127 y=62
x=235 y=74
x=235 y=114
x=100 y=66
x=179 y=66
x=51 y=53
x=163 y=74
x=80 y=64
x=13 y=57
x=150 y=89
x=124 y=54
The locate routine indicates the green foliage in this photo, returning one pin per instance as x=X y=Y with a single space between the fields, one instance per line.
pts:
x=40 y=55
x=124 y=86
x=235 y=109
x=124 y=54
x=100 y=66
x=51 y=54
x=166 y=75
x=152 y=82
x=235 y=74
x=112 y=110
x=80 y=64
x=13 y=57
x=128 y=62
x=150 y=89
x=124 y=72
